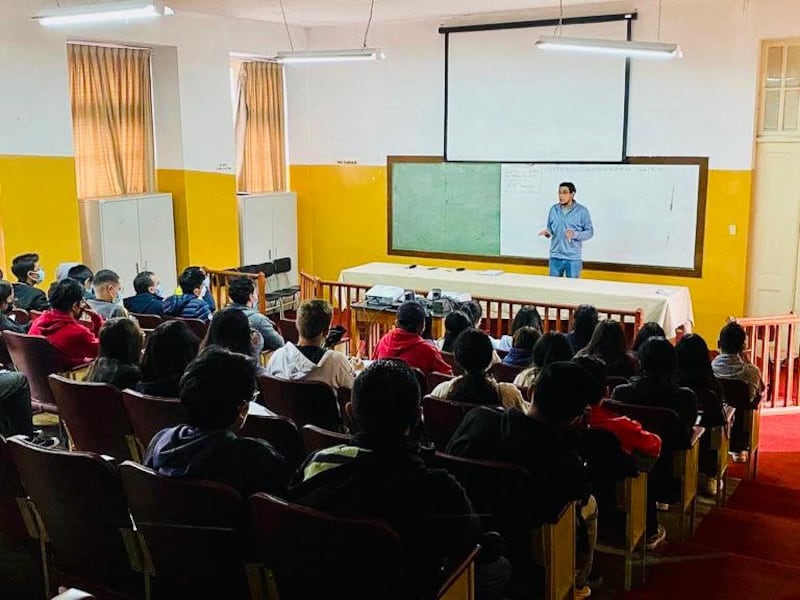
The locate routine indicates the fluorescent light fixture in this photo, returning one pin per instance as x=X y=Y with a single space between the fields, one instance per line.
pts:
x=329 y=56
x=614 y=47
x=104 y=12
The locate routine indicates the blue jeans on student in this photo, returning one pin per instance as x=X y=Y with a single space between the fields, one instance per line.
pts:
x=560 y=267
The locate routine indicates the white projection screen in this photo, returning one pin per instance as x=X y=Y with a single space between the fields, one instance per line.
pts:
x=508 y=101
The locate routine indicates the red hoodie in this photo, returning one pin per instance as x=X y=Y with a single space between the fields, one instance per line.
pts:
x=631 y=436
x=75 y=343
x=414 y=350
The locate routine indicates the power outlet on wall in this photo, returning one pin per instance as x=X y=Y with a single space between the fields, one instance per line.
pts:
x=732 y=229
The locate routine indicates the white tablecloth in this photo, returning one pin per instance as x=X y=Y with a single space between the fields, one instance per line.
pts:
x=669 y=306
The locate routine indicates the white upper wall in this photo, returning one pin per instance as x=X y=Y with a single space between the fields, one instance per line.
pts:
x=34 y=102
x=701 y=105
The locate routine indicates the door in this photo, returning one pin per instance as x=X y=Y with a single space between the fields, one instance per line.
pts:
x=284 y=230
x=157 y=235
x=256 y=229
x=120 y=234
x=775 y=231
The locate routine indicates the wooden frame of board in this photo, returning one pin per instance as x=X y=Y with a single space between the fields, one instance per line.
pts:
x=696 y=271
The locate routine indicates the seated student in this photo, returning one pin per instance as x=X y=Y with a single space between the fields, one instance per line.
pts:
x=74 y=339
x=6 y=307
x=732 y=363
x=584 y=321
x=148 y=299
x=170 y=348
x=29 y=273
x=107 y=301
x=83 y=275
x=380 y=474
x=62 y=270
x=551 y=347
x=655 y=387
x=543 y=439
x=521 y=352
x=309 y=360
x=215 y=393
x=608 y=344
x=473 y=353
x=117 y=363
x=454 y=323
x=243 y=293
x=206 y=295
x=189 y=304
x=527 y=316
x=405 y=341
x=648 y=330
x=231 y=330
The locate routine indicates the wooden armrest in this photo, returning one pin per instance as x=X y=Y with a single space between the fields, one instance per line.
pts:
x=697 y=433
x=730 y=412
x=559 y=554
x=460 y=580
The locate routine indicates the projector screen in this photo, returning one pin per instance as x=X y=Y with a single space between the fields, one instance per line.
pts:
x=508 y=101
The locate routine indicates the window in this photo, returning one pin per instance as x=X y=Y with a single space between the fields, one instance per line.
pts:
x=112 y=119
x=260 y=146
x=780 y=89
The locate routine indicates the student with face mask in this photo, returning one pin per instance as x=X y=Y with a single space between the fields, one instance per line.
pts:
x=189 y=304
x=149 y=299
x=70 y=325
x=107 y=299
x=29 y=273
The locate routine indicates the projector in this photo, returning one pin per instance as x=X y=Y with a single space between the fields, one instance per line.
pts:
x=454 y=296
x=384 y=295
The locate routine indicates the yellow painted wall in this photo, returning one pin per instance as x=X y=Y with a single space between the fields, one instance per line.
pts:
x=39 y=211
x=342 y=223
x=206 y=220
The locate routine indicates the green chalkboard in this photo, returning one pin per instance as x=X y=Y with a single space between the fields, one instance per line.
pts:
x=445 y=207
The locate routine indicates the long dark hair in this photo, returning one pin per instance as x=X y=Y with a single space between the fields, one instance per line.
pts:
x=473 y=353
x=170 y=348
x=230 y=329
x=553 y=346
x=456 y=322
x=694 y=364
x=648 y=330
x=527 y=316
x=120 y=350
x=608 y=342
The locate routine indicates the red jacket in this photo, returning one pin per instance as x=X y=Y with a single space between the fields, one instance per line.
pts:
x=75 y=342
x=631 y=436
x=414 y=350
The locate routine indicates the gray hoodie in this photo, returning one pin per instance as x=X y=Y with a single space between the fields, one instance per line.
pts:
x=333 y=368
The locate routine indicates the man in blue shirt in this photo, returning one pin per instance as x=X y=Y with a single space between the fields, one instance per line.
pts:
x=568 y=226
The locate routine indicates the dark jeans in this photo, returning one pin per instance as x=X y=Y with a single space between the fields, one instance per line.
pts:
x=16 y=416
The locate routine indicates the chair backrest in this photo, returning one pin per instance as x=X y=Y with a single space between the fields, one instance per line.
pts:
x=422 y=380
x=280 y=432
x=85 y=516
x=150 y=414
x=95 y=417
x=315 y=438
x=289 y=330
x=304 y=402
x=21 y=316
x=613 y=381
x=192 y=531
x=5 y=357
x=435 y=378
x=36 y=359
x=441 y=418
x=147 y=321
x=450 y=359
x=607 y=462
x=13 y=530
x=662 y=421
x=737 y=394
x=505 y=373
x=349 y=558
x=712 y=413
x=196 y=326
x=282 y=265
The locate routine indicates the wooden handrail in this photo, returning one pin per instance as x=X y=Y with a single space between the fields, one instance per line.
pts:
x=219 y=280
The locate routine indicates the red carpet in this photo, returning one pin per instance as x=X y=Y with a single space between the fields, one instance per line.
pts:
x=779 y=451
x=758 y=497
x=780 y=433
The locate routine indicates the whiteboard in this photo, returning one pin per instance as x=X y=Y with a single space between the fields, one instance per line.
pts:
x=642 y=214
x=508 y=101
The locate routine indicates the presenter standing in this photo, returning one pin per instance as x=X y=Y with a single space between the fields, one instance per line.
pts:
x=568 y=226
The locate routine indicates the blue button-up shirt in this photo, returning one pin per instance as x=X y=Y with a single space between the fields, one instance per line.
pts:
x=577 y=219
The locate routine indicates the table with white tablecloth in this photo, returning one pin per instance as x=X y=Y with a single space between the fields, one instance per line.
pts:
x=668 y=305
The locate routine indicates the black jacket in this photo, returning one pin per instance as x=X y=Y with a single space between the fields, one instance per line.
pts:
x=7 y=324
x=30 y=298
x=661 y=393
x=144 y=304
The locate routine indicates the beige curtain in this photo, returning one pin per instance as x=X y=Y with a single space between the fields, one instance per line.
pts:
x=112 y=120
x=260 y=161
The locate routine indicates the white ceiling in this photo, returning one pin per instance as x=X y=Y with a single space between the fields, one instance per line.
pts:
x=311 y=13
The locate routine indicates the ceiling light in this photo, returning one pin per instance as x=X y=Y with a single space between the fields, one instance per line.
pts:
x=613 y=47
x=329 y=56
x=103 y=12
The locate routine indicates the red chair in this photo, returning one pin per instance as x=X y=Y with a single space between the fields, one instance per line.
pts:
x=193 y=533
x=150 y=414
x=196 y=326
x=280 y=432
x=95 y=418
x=18 y=527
x=304 y=402
x=505 y=373
x=315 y=438
x=450 y=359
x=441 y=418
x=288 y=536
x=20 y=316
x=289 y=330
x=435 y=378
x=79 y=499
x=147 y=322
x=36 y=359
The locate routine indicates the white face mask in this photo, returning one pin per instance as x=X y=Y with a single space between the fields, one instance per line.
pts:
x=159 y=292
x=38 y=275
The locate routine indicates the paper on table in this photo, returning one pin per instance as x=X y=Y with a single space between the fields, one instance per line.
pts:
x=491 y=272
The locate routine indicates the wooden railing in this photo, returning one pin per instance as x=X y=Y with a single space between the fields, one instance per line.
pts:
x=772 y=347
x=498 y=313
x=219 y=286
